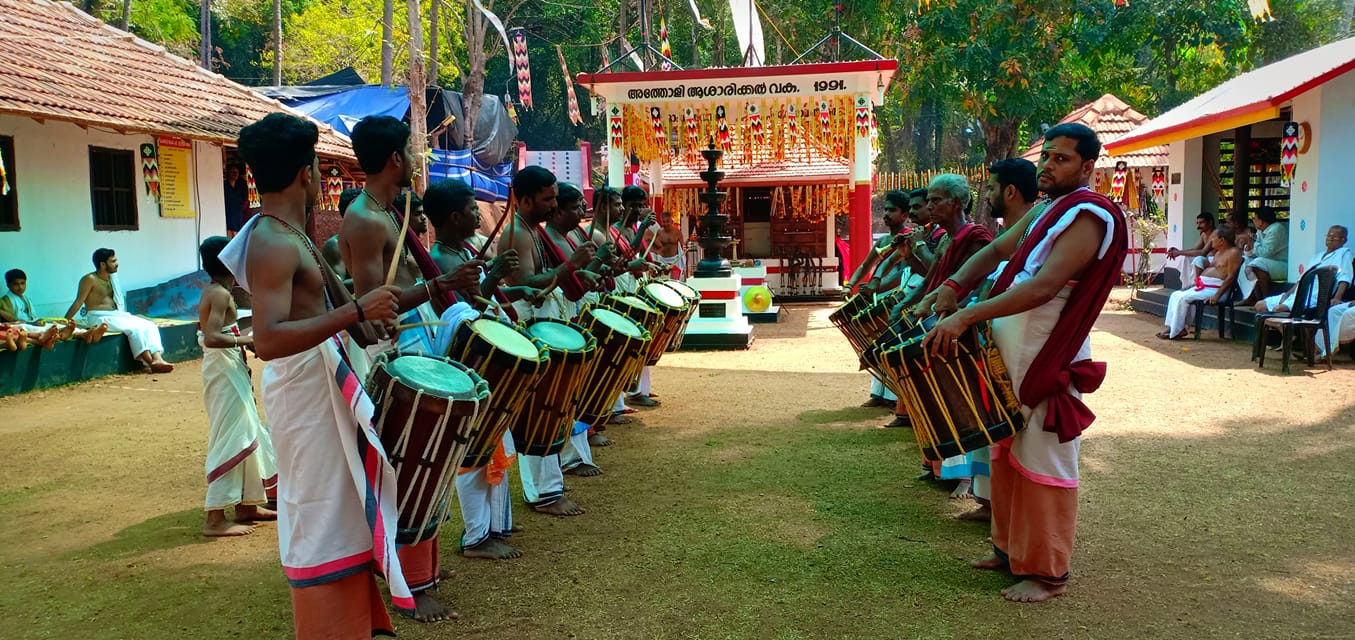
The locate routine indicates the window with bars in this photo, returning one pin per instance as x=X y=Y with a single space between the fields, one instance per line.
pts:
x=112 y=186
x=9 y=187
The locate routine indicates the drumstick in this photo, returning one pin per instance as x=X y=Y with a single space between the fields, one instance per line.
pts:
x=489 y=304
x=498 y=227
x=416 y=325
x=399 y=243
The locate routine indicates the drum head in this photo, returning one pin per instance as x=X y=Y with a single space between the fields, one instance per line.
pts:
x=617 y=322
x=682 y=288
x=506 y=339
x=665 y=296
x=636 y=302
x=432 y=376
x=558 y=336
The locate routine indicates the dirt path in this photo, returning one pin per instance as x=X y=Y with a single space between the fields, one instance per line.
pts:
x=758 y=502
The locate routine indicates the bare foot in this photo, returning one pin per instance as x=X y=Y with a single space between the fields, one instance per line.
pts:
x=599 y=440
x=160 y=366
x=428 y=609
x=516 y=529
x=253 y=513
x=225 y=529
x=446 y=574
x=926 y=475
x=492 y=549
x=49 y=337
x=981 y=514
x=20 y=342
x=96 y=334
x=584 y=470
x=67 y=330
x=10 y=341
x=962 y=490
x=562 y=507
x=1033 y=590
x=990 y=563
x=619 y=419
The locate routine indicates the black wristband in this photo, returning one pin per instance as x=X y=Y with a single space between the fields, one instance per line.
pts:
x=361 y=316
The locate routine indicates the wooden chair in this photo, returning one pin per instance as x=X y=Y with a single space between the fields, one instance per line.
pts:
x=1306 y=319
x=1223 y=310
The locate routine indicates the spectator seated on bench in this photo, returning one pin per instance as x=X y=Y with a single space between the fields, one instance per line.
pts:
x=1213 y=286
x=105 y=302
x=1267 y=259
x=16 y=312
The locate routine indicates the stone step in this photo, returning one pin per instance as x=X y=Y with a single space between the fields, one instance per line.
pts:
x=1153 y=301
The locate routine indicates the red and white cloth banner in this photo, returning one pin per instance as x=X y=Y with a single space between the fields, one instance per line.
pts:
x=522 y=66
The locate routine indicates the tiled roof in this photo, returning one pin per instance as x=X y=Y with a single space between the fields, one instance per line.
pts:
x=59 y=63
x=1110 y=117
x=818 y=170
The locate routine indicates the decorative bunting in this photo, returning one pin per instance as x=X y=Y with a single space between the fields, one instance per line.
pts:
x=614 y=125
x=862 y=117
x=664 y=48
x=722 y=129
x=755 y=123
x=792 y=125
x=522 y=66
x=656 y=121
x=1117 y=182
x=253 y=190
x=150 y=170
x=693 y=136
x=606 y=58
x=824 y=118
x=1260 y=10
x=333 y=188
x=1289 y=153
x=1160 y=182
x=4 y=177
x=572 y=99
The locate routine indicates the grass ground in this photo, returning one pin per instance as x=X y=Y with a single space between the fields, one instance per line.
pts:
x=758 y=502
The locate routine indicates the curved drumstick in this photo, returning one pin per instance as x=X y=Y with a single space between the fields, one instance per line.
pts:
x=399 y=244
x=508 y=212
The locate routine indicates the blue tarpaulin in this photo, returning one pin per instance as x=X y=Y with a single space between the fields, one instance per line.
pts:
x=489 y=181
x=342 y=110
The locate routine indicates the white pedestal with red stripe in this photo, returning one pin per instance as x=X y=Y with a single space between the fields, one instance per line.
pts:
x=719 y=322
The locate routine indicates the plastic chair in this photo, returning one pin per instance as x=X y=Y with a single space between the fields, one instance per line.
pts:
x=1303 y=292
x=1306 y=320
x=1224 y=311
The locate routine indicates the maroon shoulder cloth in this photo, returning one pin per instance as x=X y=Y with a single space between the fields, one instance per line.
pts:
x=569 y=284
x=967 y=241
x=1052 y=371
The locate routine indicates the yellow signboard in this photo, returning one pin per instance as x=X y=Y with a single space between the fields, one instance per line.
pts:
x=176 y=178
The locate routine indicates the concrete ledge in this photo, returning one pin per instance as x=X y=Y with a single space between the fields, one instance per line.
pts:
x=770 y=316
x=74 y=361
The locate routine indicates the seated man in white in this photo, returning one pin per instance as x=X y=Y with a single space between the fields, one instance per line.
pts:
x=17 y=310
x=105 y=302
x=1199 y=256
x=1334 y=254
x=1267 y=258
x=1214 y=282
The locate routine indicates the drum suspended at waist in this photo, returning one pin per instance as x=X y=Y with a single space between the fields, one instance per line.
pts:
x=623 y=347
x=512 y=362
x=543 y=424
x=427 y=407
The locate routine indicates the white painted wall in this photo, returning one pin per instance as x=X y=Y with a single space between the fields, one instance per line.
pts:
x=1329 y=197
x=57 y=236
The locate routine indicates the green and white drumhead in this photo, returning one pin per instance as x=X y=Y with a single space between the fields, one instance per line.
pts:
x=683 y=288
x=636 y=302
x=617 y=322
x=558 y=336
x=506 y=339
x=665 y=295
x=432 y=376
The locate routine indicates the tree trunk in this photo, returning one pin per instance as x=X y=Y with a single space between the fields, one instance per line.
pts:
x=277 y=43
x=938 y=134
x=1000 y=139
x=886 y=123
x=416 y=85
x=387 y=42
x=473 y=84
x=205 y=32
x=126 y=18
x=434 y=20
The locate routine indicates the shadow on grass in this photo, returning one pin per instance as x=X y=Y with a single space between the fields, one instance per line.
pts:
x=168 y=531
x=838 y=416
